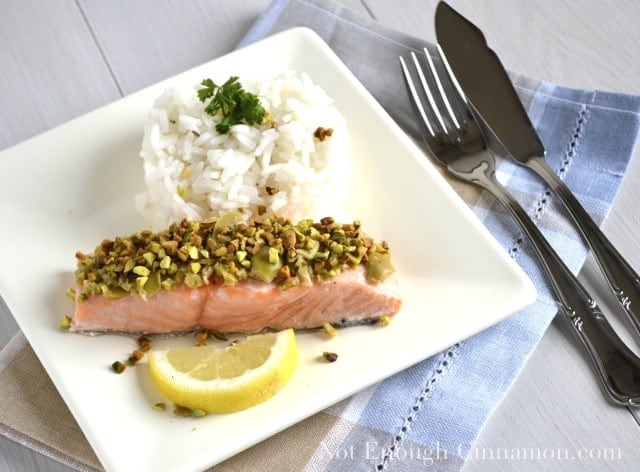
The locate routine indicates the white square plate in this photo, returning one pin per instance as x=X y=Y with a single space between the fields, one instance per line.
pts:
x=74 y=185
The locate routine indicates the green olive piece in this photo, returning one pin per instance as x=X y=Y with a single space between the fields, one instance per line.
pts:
x=379 y=267
x=265 y=265
x=227 y=222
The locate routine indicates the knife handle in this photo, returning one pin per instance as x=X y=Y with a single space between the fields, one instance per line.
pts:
x=623 y=280
x=618 y=367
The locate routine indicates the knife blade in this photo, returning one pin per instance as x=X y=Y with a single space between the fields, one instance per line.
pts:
x=484 y=82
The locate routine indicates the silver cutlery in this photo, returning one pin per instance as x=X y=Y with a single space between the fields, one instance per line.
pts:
x=455 y=140
x=486 y=85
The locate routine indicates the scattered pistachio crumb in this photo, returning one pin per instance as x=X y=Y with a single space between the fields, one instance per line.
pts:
x=134 y=357
x=384 y=320
x=329 y=330
x=118 y=367
x=160 y=406
x=185 y=411
x=322 y=133
x=181 y=410
x=201 y=337
x=198 y=413
x=71 y=293
x=330 y=356
x=218 y=335
x=271 y=190
x=65 y=323
x=144 y=343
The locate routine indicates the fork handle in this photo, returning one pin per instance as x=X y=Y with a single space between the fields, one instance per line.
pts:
x=622 y=279
x=617 y=366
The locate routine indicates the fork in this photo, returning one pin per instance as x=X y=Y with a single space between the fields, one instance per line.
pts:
x=454 y=138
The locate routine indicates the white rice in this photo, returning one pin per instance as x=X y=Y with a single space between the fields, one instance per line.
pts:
x=193 y=171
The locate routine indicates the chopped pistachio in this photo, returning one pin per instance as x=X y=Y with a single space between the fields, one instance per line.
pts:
x=134 y=357
x=241 y=255
x=193 y=252
x=129 y=265
x=144 y=344
x=330 y=356
x=185 y=411
x=329 y=330
x=141 y=270
x=197 y=413
x=165 y=263
x=273 y=256
x=65 y=323
x=149 y=257
x=141 y=282
x=181 y=410
x=201 y=337
x=118 y=367
x=385 y=320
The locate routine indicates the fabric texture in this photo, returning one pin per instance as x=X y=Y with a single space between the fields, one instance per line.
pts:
x=421 y=418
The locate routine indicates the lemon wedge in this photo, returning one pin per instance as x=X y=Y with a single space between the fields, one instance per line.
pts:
x=226 y=380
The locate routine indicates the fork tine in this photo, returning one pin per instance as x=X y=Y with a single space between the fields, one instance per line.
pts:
x=461 y=108
x=416 y=97
x=451 y=76
x=441 y=90
x=427 y=90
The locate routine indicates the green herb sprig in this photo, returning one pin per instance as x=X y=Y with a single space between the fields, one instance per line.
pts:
x=236 y=104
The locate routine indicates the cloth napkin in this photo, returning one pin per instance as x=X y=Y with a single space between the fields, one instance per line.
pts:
x=422 y=418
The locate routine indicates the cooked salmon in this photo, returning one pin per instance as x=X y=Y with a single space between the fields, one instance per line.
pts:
x=229 y=276
x=247 y=307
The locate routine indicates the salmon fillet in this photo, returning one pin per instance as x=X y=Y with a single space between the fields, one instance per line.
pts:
x=247 y=307
x=166 y=293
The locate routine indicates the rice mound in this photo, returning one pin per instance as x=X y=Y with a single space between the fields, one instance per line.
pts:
x=192 y=171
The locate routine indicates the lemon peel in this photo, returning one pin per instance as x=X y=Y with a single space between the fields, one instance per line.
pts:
x=226 y=380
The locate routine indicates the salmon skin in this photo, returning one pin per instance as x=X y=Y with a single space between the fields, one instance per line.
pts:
x=231 y=276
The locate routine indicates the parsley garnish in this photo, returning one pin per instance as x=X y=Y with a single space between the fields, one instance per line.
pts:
x=236 y=104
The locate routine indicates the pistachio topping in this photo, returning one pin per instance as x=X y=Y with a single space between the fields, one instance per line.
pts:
x=228 y=250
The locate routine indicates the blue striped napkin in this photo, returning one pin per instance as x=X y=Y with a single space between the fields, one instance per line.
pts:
x=431 y=414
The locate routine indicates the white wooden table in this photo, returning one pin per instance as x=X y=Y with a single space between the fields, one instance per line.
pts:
x=62 y=58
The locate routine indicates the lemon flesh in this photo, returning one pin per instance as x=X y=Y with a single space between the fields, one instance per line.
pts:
x=222 y=381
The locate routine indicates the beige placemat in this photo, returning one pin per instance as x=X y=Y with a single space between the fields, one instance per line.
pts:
x=27 y=393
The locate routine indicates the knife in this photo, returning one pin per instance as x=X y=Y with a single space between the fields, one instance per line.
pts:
x=486 y=85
